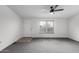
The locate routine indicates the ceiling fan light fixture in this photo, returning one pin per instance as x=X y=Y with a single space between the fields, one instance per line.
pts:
x=51 y=13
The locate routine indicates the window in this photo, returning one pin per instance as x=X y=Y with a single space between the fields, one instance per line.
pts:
x=47 y=26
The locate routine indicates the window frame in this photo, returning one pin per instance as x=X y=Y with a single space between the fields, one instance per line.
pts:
x=46 y=28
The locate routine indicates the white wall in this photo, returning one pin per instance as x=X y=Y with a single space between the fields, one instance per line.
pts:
x=10 y=27
x=74 y=27
x=32 y=28
x=27 y=28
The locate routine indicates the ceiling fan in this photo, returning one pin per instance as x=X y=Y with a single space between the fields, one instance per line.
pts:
x=53 y=9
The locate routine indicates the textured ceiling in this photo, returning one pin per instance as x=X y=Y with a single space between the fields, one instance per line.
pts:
x=42 y=11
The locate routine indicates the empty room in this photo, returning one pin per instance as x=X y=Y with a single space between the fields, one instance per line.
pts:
x=39 y=28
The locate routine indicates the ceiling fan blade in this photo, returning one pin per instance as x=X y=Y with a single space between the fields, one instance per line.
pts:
x=56 y=6
x=59 y=10
x=51 y=7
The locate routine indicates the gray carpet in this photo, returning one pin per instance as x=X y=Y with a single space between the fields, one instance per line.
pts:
x=44 y=46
